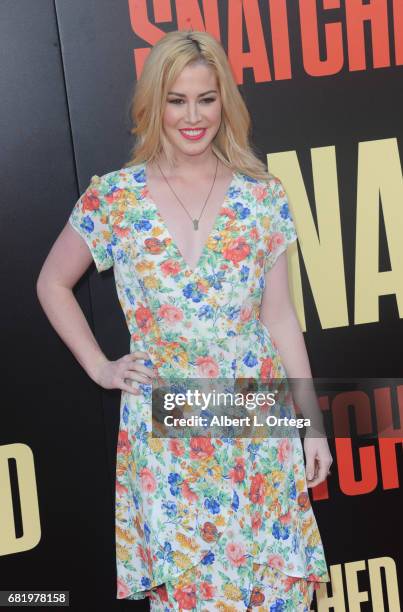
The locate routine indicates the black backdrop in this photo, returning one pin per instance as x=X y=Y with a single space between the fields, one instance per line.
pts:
x=68 y=69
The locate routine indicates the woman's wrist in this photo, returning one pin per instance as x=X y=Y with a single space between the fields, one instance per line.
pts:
x=95 y=368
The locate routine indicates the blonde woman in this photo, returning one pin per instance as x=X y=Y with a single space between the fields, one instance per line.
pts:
x=196 y=231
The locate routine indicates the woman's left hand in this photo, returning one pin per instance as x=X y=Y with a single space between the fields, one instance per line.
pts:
x=318 y=460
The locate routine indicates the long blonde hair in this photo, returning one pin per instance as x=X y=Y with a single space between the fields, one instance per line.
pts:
x=165 y=62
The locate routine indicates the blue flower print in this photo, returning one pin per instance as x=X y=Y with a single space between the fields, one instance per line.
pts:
x=191 y=291
x=233 y=312
x=174 y=480
x=142 y=432
x=130 y=296
x=278 y=606
x=250 y=179
x=235 y=501
x=242 y=211
x=250 y=359
x=234 y=192
x=170 y=508
x=253 y=448
x=215 y=280
x=139 y=176
x=285 y=211
x=174 y=477
x=147 y=532
x=205 y=312
x=208 y=559
x=87 y=224
x=244 y=274
x=125 y=414
x=280 y=531
x=142 y=225
x=166 y=552
x=212 y=505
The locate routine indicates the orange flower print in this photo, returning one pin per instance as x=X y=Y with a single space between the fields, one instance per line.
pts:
x=303 y=501
x=260 y=258
x=257 y=597
x=170 y=313
x=147 y=479
x=207 y=590
x=275 y=561
x=237 y=250
x=284 y=449
x=257 y=489
x=228 y=212
x=154 y=245
x=237 y=473
x=176 y=447
x=90 y=200
x=170 y=267
x=162 y=592
x=123 y=589
x=236 y=553
x=275 y=241
x=288 y=581
x=256 y=522
x=121 y=489
x=254 y=234
x=186 y=597
x=123 y=443
x=285 y=518
x=207 y=367
x=209 y=532
x=145 y=555
x=187 y=492
x=260 y=192
x=266 y=370
x=143 y=318
x=121 y=232
x=116 y=196
x=246 y=312
x=201 y=448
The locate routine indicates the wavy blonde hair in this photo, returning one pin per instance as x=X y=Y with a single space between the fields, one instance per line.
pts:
x=169 y=56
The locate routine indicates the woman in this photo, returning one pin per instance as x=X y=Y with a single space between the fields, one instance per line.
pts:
x=196 y=230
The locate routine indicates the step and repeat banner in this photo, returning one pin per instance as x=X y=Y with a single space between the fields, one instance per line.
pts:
x=323 y=81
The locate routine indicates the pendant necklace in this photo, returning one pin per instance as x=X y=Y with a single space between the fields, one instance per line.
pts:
x=194 y=221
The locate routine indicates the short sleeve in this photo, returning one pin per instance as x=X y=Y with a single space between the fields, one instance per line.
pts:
x=278 y=225
x=90 y=218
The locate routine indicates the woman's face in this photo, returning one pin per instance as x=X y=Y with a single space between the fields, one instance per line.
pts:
x=192 y=113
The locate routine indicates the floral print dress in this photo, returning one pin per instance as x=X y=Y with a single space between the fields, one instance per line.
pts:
x=178 y=499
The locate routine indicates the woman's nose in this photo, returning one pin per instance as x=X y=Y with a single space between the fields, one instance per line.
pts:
x=193 y=113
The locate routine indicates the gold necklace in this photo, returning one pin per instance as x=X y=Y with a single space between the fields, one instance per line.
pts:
x=194 y=221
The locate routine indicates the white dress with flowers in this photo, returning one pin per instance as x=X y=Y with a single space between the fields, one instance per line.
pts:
x=177 y=497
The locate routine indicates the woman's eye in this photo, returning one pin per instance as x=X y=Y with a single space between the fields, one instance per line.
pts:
x=176 y=100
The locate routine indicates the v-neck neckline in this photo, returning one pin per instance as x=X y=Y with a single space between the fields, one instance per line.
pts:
x=150 y=200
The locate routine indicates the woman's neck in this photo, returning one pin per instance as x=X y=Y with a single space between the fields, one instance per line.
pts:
x=188 y=166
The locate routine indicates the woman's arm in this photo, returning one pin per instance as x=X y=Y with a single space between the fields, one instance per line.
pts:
x=65 y=264
x=278 y=315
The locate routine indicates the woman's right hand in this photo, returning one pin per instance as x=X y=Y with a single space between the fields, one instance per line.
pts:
x=115 y=374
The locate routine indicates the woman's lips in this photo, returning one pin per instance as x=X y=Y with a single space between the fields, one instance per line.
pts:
x=193 y=134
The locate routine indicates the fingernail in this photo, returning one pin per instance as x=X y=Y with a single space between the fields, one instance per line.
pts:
x=310 y=475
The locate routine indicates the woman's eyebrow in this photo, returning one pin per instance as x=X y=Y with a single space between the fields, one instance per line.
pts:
x=175 y=93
